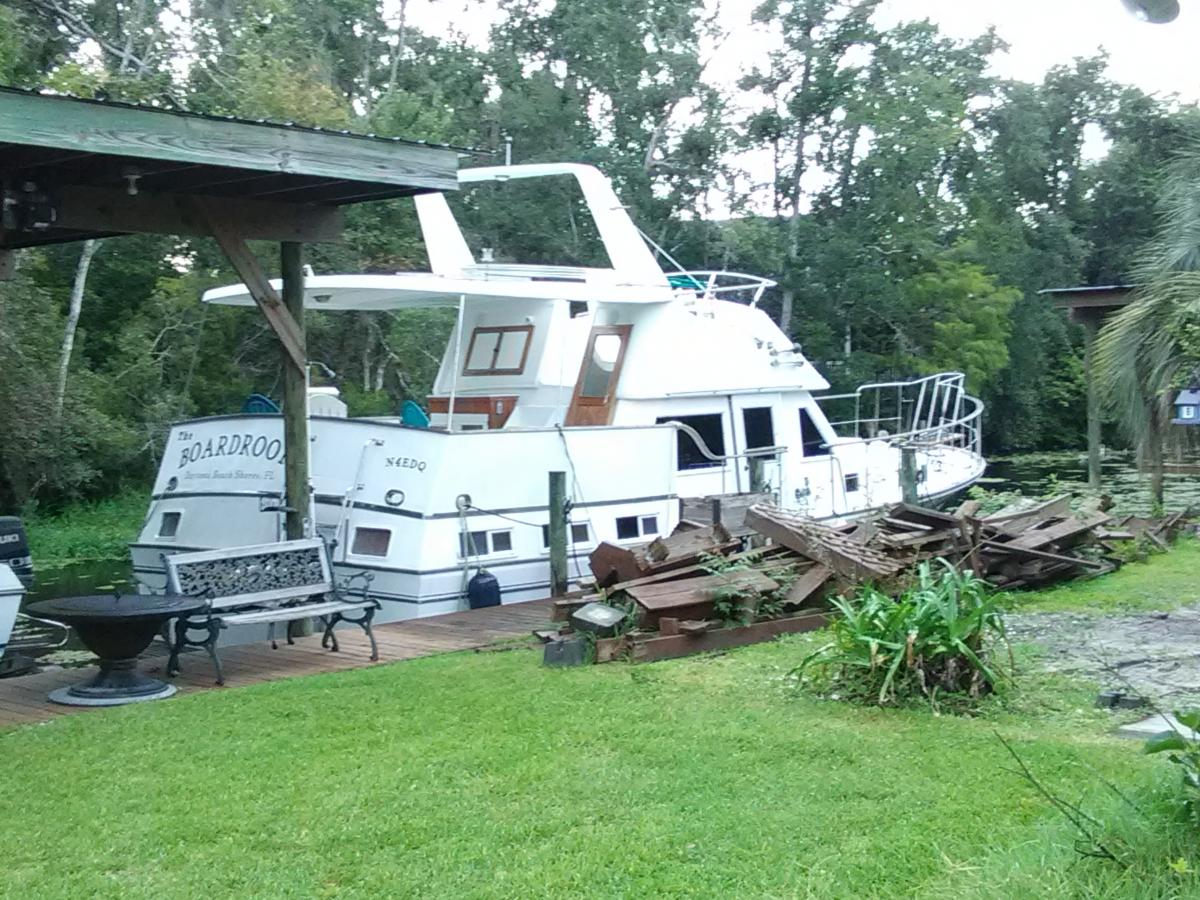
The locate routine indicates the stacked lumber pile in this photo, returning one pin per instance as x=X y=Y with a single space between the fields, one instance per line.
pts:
x=698 y=590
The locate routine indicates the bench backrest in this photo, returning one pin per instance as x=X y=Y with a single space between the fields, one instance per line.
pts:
x=262 y=573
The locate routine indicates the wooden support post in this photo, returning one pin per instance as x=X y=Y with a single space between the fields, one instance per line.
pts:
x=295 y=396
x=297 y=490
x=558 y=533
x=716 y=511
x=1091 y=325
x=908 y=474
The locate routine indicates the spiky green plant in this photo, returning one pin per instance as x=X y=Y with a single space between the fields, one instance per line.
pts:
x=932 y=639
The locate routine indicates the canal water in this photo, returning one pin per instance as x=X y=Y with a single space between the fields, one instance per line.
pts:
x=1032 y=475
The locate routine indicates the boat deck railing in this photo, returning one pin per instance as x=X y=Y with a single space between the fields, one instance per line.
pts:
x=932 y=411
x=722 y=285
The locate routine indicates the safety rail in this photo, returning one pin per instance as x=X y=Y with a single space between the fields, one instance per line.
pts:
x=712 y=284
x=934 y=410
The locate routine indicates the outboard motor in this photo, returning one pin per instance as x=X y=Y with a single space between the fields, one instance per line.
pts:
x=483 y=590
x=14 y=548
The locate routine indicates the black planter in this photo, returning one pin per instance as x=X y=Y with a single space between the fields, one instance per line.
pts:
x=117 y=629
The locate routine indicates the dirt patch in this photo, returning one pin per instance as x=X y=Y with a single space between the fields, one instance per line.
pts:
x=1155 y=654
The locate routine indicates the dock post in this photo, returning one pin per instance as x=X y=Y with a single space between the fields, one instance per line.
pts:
x=908 y=473
x=558 y=534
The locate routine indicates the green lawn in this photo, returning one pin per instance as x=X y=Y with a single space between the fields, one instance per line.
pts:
x=486 y=775
x=1164 y=582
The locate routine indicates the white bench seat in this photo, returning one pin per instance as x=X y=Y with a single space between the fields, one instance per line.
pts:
x=261 y=585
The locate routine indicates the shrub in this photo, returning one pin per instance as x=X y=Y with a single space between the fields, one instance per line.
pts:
x=931 y=639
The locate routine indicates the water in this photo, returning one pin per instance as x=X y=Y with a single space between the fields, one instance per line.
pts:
x=1039 y=474
x=71 y=580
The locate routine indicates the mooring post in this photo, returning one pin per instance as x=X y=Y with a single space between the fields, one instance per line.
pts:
x=908 y=473
x=558 y=533
x=716 y=510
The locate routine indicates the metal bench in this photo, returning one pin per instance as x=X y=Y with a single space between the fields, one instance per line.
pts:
x=261 y=584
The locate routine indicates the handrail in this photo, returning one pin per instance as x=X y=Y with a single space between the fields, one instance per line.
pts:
x=936 y=412
x=705 y=451
x=706 y=283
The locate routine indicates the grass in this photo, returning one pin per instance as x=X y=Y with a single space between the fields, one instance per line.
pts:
x=485 y=775
x=1165 y=582
x=87 y=531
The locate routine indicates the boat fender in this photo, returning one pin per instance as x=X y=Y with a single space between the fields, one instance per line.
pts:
x=483 y=590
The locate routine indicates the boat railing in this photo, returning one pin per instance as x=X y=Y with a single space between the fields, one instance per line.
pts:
x=714 y=284
x=930 y=411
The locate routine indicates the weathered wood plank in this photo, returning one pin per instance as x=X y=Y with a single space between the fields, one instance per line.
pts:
x=807 y=585
x=656 y=648
x=63 y=123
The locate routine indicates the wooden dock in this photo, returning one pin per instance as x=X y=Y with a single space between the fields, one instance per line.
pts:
x=24 y=699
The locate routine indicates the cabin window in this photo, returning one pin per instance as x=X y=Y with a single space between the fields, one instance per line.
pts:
x=371 y=541
x=500 y=350
x=577 y=534
x=168 y=527
x=711 y=429
x=759 y=427
x=1187 y=412
x=484 y=543
x=631 y=527
x=604 y=352
x=810 y=436
x=851 y=483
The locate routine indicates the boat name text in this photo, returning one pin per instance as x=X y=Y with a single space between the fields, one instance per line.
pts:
x=405 y=462
x=258 y=447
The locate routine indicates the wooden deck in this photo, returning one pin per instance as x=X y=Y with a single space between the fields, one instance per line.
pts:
x=24 y=699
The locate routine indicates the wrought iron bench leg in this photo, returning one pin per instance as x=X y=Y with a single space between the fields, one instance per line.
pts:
x=182 y=641
x=363 y=622
x=329 y=639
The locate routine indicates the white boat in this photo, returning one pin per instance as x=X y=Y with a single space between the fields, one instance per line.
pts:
x=646 y=387
x=11 y=592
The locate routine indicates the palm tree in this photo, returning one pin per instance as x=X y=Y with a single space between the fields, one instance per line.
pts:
x=1149 y=349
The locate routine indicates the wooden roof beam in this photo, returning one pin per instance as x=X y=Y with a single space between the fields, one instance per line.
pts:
x=89 y=209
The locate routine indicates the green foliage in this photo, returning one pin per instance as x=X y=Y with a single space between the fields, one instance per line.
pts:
x=100 y=530
x=933 y=639
x=1183 y=750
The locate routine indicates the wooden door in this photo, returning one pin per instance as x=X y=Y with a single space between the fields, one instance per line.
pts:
x=596 y=386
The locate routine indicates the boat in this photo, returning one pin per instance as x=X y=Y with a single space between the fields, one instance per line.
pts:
x=650 y=388
x=12 y=589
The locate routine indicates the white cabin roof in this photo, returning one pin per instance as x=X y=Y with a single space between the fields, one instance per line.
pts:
x=416 y=290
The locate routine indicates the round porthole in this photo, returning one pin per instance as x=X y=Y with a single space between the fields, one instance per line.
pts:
x=394 y=498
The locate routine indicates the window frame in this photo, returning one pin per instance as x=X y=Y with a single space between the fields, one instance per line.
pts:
x=162 y=521
x=488 y=534
x=354 y=545
x=500 y=330
x=571 y=541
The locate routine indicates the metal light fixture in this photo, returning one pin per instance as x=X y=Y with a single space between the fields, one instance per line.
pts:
x=1157 y=12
